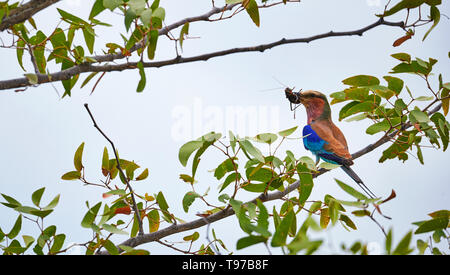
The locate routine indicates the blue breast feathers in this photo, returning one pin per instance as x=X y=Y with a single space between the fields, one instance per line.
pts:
x=312 y=141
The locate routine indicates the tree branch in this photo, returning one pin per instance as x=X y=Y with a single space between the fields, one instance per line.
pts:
x=24 y=12
x=135 y=208
x=89 y=67
x=166 y=30
x=177 y=228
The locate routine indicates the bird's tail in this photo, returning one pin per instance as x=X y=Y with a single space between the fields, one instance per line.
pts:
x=355 y=177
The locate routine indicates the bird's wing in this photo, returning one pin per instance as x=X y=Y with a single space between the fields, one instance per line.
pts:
x=337 y=133
x=335 y=144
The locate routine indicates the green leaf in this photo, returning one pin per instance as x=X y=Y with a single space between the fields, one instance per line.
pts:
x=361 y=213
x=71 y=18
x=236 y=205
x=394 y=84
x=105 y=161
x=249 y=241
x=347 y=221
x=382 y=91
x=223 y=168
x=19 y=52
x=97 y=8
x=263 y=217
x=130 y=168
x=72 y=175
x=25 y=209
x=338 y=97
x=119 y=192
x=138 y=6
x=52 y=204
x=357 y=108
x=435 y=15
x=162 y=201
x=153 y=220
x=328 y=166
x=14 y=248
x=361 y=81
x=155 y=4
x=128 y=19
x=431 y=225
x=159 y=13
x=418 y=116
x=440 y=214
x=412 y=67
x=58 y=242
x=422 y=246
x=403 y=246
x=12 y=203
x=357 y=93
x=110 y=247
x=424 y=98
x=88 y=78
x=230 y=178
x=77 y=159
x=402 y=57
x=154 y=35
x=37 y=195
x=404 y=4
x=188 y=199
x=333 y=210
x=300 y=244
x=28 y=240
x=280 y=235
x=400 y=106
x=309 y=162
x=268 y=138
x=252 y=150
x=89 y=37
x=89 y=217
x=146 y=16
x=143 y=80
x=208 y=141
x=135 y=37
x=193 y=237
x=112 y=4
x=306 y=182
x=315 y=206
x=143 y=175
x=187 y=149
x=378 y=127
x=187 y=178
x=287 y=132
x=252 y=9
x=351 y=191
x=16 y=228
x=113 y=229
x=184 y=31
x=388 y=242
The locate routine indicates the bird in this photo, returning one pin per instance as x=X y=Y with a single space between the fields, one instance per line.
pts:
x=321 y=136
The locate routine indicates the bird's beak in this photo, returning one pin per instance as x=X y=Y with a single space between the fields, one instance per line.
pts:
x=293 y=97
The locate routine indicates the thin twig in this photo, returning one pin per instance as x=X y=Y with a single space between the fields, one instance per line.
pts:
x=135 y=208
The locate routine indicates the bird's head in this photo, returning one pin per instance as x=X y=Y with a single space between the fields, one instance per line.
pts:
x=316 y=103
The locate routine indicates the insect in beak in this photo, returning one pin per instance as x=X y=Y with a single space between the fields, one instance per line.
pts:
x=294 y=98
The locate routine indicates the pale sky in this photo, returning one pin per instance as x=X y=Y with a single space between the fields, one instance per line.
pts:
x=40 y=132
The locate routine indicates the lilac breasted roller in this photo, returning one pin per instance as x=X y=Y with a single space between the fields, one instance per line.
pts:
x=321 y=136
